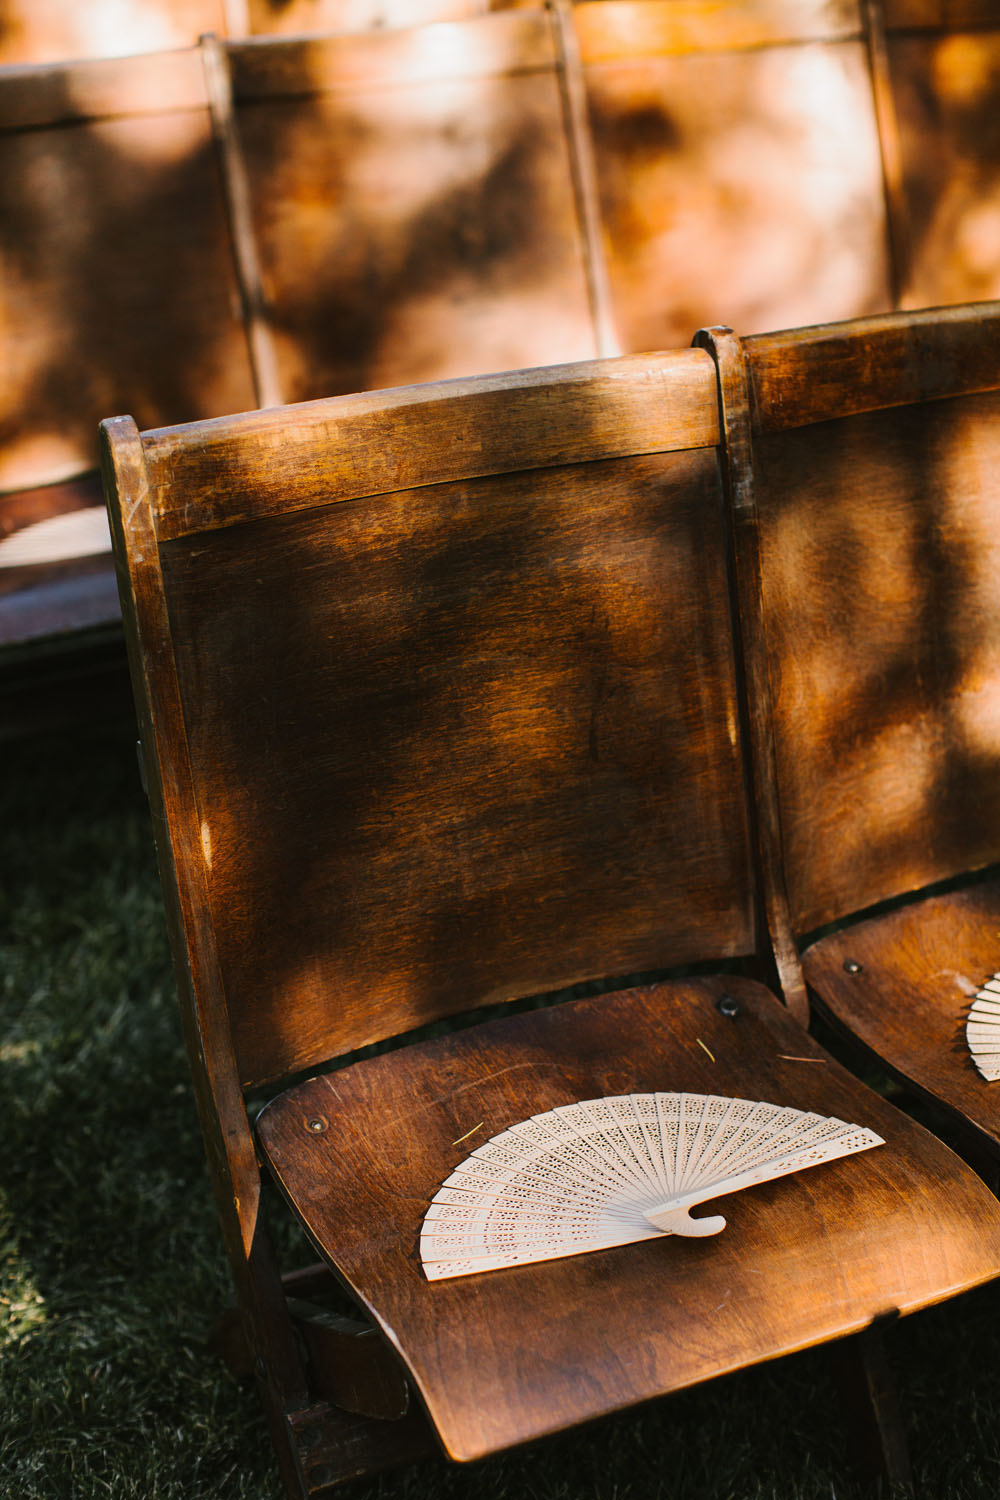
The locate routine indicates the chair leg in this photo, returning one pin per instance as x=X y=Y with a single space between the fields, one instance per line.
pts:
x=871 y=1413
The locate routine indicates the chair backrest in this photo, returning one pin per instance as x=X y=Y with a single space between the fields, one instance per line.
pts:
x=943 y=66
x=738 y=164
x=59 y=31
x=876 y=473
x=439 y=696
x=118 y=288
x=413 y=204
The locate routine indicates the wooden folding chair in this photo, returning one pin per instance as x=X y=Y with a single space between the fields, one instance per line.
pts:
x=870 y=507
x=439 y=709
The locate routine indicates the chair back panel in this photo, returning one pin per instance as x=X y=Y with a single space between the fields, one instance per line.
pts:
x=738 y=164
x=880 y=544
x=945 y=78
x=413 y=203
x=463 y=741
x=129 y=300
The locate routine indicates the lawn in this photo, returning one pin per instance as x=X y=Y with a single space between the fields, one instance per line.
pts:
x=113 y=1271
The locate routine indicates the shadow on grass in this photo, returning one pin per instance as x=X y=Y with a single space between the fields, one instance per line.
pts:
x=112 y=1268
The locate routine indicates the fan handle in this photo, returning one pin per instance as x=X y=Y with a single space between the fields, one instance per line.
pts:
x=674 y=1219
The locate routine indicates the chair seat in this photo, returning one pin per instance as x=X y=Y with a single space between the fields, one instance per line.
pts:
x=503 y=1357
x=57 y=574
x=908 y=1003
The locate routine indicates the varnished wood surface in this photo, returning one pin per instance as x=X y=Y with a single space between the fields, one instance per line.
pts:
x=504 y=1357
x=880 y=545
x=271 y=463
x=485 y=736
x=920 y=968
x=806 y=375
x=878 y=536
x=497 y=190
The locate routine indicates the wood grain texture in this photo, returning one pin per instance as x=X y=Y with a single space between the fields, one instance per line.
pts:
x=128 y=302
x=413 y=204
x=775 y=935
x=908 y=1003
x=820 y=374
x=501 y=1358
x=225 y=1125
x=354 y=446
x=880 y=548
x=485 y=734
x=708 y=167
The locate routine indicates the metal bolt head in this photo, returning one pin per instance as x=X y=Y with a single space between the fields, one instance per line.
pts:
x=851 y=966
x=727 y=1006
x=316 y=1124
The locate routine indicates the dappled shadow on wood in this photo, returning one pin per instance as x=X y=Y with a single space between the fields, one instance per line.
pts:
x=880 y=555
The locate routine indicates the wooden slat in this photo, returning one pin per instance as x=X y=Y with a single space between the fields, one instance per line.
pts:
x=260 y=339
x=897 y=217
x=33 y=97
x=374 y=443
x=57 y=31
x=627 y=30
x=494 y=45
x=300 y=17
x=775 y=934
x=581 y=151
x=818 y=374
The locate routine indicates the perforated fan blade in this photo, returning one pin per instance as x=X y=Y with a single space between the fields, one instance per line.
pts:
x=982 y=1030
x=615 y=1171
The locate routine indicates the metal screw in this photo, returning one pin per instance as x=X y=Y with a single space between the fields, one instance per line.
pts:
x=317 y=1124
x=852 y=966
x=727 y=1006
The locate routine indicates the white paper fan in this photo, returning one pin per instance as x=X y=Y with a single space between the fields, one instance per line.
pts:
x=613 y=1171
x=982 y=1030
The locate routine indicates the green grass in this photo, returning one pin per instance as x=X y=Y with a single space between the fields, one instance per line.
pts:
x=112 y=1268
